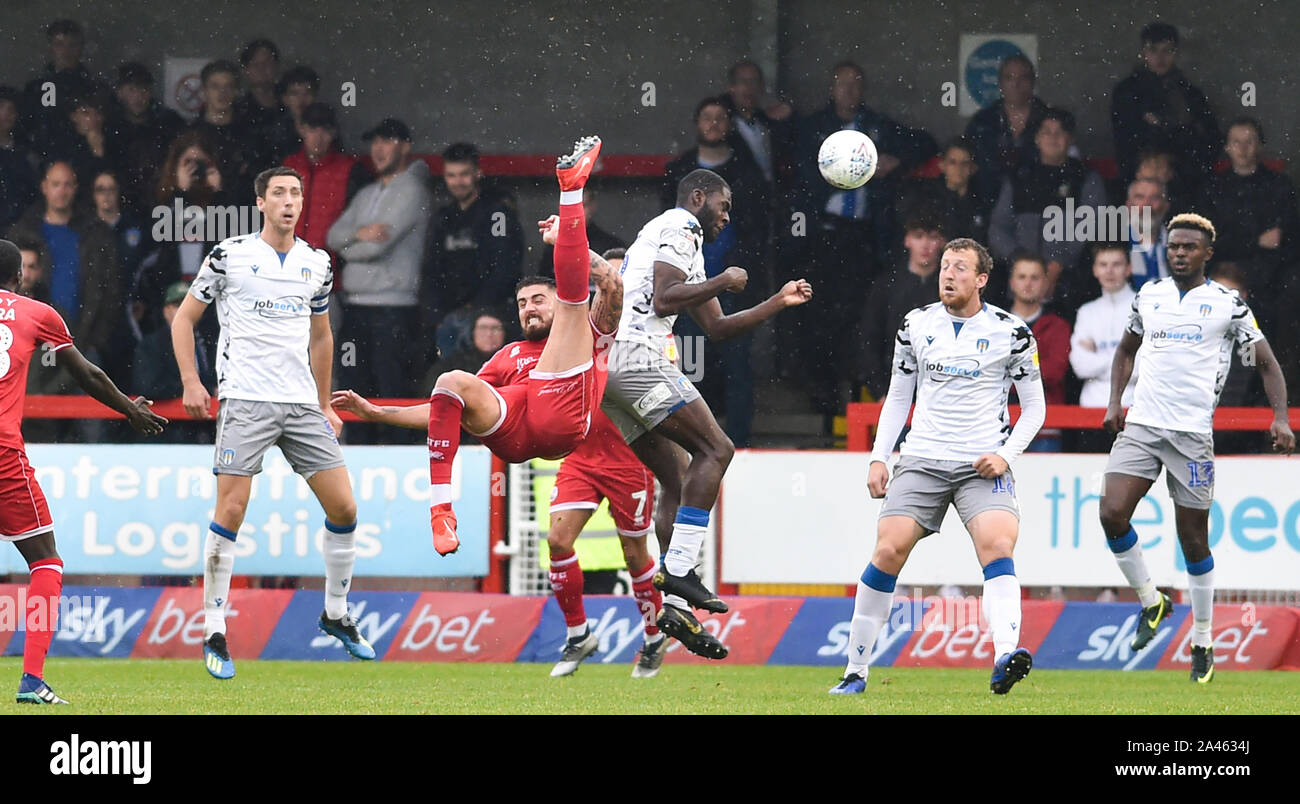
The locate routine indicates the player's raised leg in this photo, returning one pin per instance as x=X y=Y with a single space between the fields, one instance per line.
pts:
x=334 y=491
x=1120 y=497
x=44 y=586
x=895 y=538
x=667 y=462
x=570 y=344
x=218 y=566
x=459 y=400
x=994 y=533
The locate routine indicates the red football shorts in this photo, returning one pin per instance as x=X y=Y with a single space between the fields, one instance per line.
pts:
x=547 y=416
x=629 y=488
x=23 y=510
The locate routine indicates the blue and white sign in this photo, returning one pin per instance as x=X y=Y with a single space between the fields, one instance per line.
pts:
x=979 y=58
x=144 y=509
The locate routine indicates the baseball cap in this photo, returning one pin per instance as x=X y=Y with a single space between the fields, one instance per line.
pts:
x=176 y=292
x=390 y=128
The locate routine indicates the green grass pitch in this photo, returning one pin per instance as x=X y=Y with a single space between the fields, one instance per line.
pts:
x=144 y=686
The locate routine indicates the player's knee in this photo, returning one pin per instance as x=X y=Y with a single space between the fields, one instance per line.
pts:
x=560 y=542
x=888 y=557
x=343 y=514
x=1114 y=521
x=455 y=381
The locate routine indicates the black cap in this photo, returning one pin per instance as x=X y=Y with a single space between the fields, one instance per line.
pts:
x=390 y=128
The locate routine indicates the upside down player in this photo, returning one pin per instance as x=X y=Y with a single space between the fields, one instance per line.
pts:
x=959 y=356
x=545 y=412
x=24 y=515
x=1171 y=422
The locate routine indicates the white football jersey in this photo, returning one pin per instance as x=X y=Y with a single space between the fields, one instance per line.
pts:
x=964 y=371
x=265 y=306
x=675 y=237
x=1186 y=352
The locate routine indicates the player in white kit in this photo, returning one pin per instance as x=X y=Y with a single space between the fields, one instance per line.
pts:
x=1180 y=335
x=959 y=356
x=657 y=408
x=273 y=369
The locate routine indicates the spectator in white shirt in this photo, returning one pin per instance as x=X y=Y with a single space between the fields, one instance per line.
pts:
x=1097 y=332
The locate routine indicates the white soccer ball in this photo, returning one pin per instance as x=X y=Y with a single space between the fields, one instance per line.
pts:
x=847 y=159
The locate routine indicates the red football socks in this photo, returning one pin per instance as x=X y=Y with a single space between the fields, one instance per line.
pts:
x=43 y=591
x=572 y=259
x=445 y=409
x=648 y=599
x=566 y=580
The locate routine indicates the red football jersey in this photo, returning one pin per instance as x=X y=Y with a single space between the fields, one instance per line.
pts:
x=512 y=362
x=604 y=444
x=24 y=323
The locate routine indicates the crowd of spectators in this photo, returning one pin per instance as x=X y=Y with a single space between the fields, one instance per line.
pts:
x=422 y=288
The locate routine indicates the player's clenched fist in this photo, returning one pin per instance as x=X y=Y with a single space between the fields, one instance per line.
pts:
x=877 y=479
x=1114 y=421
x=796 y=292
x=736 y=279
x=1283 y=438
x=990 y=465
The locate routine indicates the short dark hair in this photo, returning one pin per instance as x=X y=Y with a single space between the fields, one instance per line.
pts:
x=481 y=314
x=850 y=64
x=263 y=179
x=1061 y=116
x=1232 y=271
x=926 y=220
x=712 y=100
x=1157 y=32
x=962 y=142
x=1023 y=59
x=461 y=152
x=700 y=179
x=983 y=262
x=535 y=279
x=1028 y=256
x=735 y=68
x=301 y=74
x=1108 y=245
x=134 y=74
x=611 y=254
x=219 y=66
x=320 y=115
x=1156 y=152
x=1245 y=120
x=250 y=50
x=11 y=262
x=63 y=27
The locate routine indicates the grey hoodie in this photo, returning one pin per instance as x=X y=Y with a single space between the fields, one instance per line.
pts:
x=387 y=273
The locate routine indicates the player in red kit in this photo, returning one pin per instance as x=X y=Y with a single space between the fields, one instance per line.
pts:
x=24 y=515
x=536 y=403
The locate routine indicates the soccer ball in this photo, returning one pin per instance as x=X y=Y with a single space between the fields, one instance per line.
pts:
x=847 y=159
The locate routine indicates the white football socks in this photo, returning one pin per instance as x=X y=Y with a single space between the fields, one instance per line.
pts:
x=870 y=611
x=1201 y=588
x=1000 y=606
x=218 y=566
x=340 y=550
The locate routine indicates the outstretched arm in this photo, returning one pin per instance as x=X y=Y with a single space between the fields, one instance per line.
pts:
x=95 y=382
x=414 y=417
x=720 y=327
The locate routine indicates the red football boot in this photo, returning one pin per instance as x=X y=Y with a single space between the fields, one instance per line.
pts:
x=574 y=169
x=443 y=519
